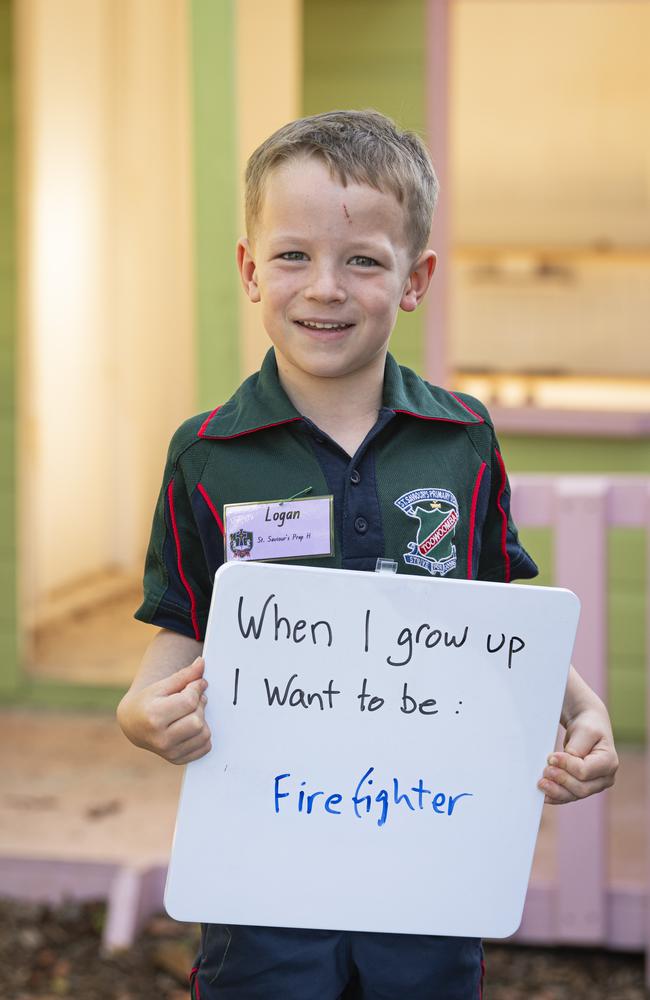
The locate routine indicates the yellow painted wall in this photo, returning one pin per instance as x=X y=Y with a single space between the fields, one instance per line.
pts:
x=8 y=340
x=550 y=166
x=550 y=110
x=269 y=94
x=106 y=248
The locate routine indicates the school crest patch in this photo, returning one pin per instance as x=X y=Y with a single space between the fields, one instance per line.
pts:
x=241 y=543
x=436 y=512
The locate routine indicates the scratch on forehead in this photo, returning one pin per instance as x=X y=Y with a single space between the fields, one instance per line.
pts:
x=347 y=214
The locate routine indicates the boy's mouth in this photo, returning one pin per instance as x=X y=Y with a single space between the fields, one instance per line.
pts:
x=310 y=324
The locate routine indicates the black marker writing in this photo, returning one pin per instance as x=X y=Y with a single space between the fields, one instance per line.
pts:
x=515 y=645
x=409 y=704
x=374 y=702
x=297 y=697
x=432 y=637
x=294 y=633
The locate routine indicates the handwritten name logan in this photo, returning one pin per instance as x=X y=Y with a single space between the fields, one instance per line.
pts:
x=280 y=516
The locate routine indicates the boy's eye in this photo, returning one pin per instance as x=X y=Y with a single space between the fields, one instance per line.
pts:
x=362 y=261
x=293 y=255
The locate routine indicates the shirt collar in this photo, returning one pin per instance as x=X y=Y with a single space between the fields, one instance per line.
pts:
x=261 y=402
x=405 y=392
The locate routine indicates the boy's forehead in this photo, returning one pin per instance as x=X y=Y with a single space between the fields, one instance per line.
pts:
x=304 y=189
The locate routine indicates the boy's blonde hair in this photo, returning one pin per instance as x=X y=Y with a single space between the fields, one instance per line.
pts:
x=361 y=146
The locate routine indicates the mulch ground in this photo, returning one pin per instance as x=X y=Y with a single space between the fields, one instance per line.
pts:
x=49 y=954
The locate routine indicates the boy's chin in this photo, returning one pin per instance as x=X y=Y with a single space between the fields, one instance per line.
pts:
x=332 y=366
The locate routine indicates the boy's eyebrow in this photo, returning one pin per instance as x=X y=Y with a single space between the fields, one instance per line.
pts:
x=375 y=243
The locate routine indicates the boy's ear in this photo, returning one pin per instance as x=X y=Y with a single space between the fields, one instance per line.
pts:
x=247 y=270
x=418 y=281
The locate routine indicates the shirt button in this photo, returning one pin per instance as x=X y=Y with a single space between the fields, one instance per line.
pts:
x=361 y=525
x=355 y=477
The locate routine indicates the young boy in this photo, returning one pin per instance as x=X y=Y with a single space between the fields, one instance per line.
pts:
x=338 y=215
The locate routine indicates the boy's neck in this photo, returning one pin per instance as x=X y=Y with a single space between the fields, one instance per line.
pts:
x=345 y=407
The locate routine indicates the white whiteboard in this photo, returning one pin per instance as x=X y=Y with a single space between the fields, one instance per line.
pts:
x=438 y=837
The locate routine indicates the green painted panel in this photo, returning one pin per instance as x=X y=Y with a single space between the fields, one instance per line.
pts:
x=370 y=55
x=215 y=194
x=7 y=443
x=627 y=591
x=9 y=659
x=8 y=619
x=75 y=697
x=529 y=453
x=626 y=698
x=539 y=542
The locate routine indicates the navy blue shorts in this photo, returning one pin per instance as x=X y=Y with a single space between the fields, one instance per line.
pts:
x=277 y=963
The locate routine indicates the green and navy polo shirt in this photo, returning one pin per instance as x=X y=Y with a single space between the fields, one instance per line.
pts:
x=427 y=488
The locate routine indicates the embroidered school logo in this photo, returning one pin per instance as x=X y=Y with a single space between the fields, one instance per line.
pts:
x=436 y=512
x=241 y=543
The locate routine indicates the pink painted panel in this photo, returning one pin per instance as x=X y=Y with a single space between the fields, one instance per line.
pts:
x=581 y=566
x=135 y=894
x=124 y=904
x=534 y=506
x=629 y=499
x=50 y=880
x=532 y=500
x=647 y=742
x=538 y=921
x=579 y=423
x=626 y=907
x=153 y=888
x=626 y=917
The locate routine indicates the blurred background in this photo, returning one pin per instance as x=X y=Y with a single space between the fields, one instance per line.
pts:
x=125 y=126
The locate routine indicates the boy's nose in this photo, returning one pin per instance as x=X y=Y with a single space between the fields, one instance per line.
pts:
x=325 y=286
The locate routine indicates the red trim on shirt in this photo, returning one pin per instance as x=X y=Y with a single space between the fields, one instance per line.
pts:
x=442 y=420
x=179 y=560
x=504 y=524
x=472 y=519
x=468 y=408
x=251 y=430
x=480 y=985
x=207 y=421
x=213 y=510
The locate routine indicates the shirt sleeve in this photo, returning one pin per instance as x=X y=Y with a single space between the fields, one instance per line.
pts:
x=177 y=583
x=503 y=558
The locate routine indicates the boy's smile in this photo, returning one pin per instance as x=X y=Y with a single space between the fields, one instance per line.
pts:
x=331 y=266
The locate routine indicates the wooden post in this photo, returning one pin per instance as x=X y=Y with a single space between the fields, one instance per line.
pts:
x=437 y=104
x=581 y=566
x=10 y=673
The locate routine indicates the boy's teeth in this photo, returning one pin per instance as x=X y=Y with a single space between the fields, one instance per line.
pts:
x=322 y=326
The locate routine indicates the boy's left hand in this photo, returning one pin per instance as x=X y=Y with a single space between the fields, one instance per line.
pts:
x=588 y=762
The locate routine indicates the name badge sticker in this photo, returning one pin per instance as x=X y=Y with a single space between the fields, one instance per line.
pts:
x=278 y=529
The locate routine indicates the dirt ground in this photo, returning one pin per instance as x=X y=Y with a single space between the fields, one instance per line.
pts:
x=52 y=954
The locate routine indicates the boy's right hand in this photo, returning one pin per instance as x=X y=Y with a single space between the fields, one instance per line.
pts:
x=167 y=716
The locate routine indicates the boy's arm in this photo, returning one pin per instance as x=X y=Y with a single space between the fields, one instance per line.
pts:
x=589 y=761
x=163 y=710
